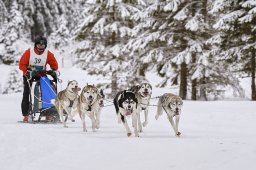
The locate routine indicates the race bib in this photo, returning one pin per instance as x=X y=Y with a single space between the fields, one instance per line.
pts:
x=36 y=61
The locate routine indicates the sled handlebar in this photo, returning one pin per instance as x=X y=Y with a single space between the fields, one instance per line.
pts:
x=35 y=73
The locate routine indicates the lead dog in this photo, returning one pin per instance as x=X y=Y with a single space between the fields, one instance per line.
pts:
x=88 y=104
x=171 y=104
x=143 y=94
x=126 y=105
x=67 y=100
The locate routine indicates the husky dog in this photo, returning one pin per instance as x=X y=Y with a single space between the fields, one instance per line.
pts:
x=143 y=94
x=126 y=105
x=88 y=103
x=101 y=98
x=67 y=100
x=172 y=105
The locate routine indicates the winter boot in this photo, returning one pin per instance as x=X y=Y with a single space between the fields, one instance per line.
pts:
x=25 y=119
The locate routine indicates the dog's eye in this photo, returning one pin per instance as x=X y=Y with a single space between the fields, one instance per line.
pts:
x=132 y=102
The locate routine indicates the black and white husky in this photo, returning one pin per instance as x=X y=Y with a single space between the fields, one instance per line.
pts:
x=171 y=104
x=126 y=105
x=143 y=94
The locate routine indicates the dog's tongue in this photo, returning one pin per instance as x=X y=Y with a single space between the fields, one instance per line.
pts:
x=77 y=89
x=128 y=113
x=145 y=93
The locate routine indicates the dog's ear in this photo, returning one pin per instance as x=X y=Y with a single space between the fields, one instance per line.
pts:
x=69 y=82
x=120 y=102
x=124 y=93
x=102 y=93
x=136 y=101
x=150 y=86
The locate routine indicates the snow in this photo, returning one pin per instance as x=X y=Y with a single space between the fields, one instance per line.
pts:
x=215 y=135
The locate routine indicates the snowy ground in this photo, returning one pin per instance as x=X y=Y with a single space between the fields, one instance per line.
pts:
x=215 y=135
x=218 y=135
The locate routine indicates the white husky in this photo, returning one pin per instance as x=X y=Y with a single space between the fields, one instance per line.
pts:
x=143 y=94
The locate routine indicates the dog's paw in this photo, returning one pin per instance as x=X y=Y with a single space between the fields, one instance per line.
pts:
x=178 y=134
x=84 y=130
x=137 y=135
x=144 y=124
x=140 y=129
x=65 y=126
x=129 y=134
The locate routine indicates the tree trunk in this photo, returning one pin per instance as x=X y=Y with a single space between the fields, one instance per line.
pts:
x=203 y=95
x=194 y=82
x=183 y=81
x=203 y=81
x=114 y=84
x=253 y=74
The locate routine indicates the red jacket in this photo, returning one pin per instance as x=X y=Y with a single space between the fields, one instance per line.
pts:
x=24 y=60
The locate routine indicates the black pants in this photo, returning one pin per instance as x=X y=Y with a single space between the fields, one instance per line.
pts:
x=25 y=99
x=26 y=92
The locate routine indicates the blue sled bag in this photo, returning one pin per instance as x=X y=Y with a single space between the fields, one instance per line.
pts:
x=47 y=91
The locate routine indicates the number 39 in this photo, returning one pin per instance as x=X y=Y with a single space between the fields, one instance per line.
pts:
x=37 y=60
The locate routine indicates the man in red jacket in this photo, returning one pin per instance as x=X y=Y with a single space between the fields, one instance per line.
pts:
x=34 y=59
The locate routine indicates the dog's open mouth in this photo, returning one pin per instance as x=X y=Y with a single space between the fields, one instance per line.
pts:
x=176 y=112
x=128 y=112
x=76 y=89
x=145 y=93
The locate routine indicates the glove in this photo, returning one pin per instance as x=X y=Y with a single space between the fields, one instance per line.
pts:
x=31 y=73
x=54 y=73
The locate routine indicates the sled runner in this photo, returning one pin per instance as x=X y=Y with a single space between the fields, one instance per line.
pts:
x=42 y=91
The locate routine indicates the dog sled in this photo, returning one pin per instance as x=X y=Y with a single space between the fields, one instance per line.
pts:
x=42 y=90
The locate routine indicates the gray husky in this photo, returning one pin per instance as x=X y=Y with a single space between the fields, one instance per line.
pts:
x=89 y=104
x=171 y=104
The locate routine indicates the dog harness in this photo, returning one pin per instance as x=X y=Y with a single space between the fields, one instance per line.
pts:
x=71 y=102
x=90 y=108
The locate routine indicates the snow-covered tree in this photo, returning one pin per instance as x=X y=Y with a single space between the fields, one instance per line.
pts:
x=104 y=30
x=11 y=31
x=27 y=19
x=169 y=39
x=14 y=82
x=236 y=37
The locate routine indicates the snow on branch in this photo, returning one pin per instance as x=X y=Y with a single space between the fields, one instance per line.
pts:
x=224 y=22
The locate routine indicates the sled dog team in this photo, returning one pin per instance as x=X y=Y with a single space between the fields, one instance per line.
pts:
x=128 y=103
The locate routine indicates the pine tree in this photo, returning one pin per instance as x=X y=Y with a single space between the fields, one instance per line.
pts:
x=236 y=37
x=14 y=83
x=27 y=19
x=105 y=29
x=12 y=31
x=170 y=39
